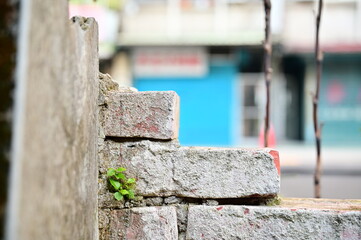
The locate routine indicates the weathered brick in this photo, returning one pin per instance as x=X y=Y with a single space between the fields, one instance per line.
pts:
x=148 y=223
x=165 y=169
x=152 y=115
x=281 y=222
x=226 y=172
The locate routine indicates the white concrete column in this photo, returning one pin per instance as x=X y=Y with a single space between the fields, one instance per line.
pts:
x=173 y=18
x=277 y=16
x=220 y=17
x=358 y=22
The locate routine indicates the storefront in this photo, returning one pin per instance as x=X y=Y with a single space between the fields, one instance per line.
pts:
x=206 y=85
x=340 y=100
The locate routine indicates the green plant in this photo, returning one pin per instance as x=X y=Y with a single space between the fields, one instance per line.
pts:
x=123 y=186
x=275 y=201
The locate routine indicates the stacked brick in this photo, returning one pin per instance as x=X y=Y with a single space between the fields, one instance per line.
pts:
x=177 y=185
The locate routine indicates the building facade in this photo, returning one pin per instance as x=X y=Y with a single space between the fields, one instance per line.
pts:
x=211 y=53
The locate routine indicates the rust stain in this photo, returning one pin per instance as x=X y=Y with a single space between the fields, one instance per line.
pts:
x=145 y=127
x=276 y=160
x=219 y=208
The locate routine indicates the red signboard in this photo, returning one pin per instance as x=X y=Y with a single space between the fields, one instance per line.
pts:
x=170 y=62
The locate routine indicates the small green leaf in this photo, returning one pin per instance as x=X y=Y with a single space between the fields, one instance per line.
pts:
x=120 y=176
x=131 y=180
x=121 y=169
x=115 y=183
x=118 y=196
x=124 y=192
x=131 y=194
x=111 y=172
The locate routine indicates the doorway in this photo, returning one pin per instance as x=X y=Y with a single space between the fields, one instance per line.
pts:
x=293 y=67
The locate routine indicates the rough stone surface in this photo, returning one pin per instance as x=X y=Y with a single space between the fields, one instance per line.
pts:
x=103 y=218
x=172 y=200
x=225 y=173
x=152 y=115
x=262 y=222
x=154 y=201
x=106 y=85
x=148 y=223
x=165 y=169
x=157 y=177
x=182 y=217
x=54 y=191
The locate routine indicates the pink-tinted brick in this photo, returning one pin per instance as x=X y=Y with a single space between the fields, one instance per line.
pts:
x=152 y=115
x=309 y=219
x=158 y=223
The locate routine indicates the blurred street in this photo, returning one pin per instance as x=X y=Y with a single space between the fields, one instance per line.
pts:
x=341 y=171
x=332 y=186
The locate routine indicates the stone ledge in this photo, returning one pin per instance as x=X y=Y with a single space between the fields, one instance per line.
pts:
x=143 y=223
x=322 y=204
x=165 y=169
x=153 y=115
x=288 y=221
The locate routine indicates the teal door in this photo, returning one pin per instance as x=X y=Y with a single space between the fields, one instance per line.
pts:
x=340 y=100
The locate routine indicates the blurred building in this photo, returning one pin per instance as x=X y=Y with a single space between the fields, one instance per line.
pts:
x=211 y=54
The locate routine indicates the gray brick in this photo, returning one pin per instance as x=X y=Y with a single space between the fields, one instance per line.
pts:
x=262 y=222
x=226 y=172
x=152 y=115
x=147 y=223
x=165 y=169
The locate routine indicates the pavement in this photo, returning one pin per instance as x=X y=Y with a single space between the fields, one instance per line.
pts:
x=341 y=166
x=332 y=186
x=301 y=158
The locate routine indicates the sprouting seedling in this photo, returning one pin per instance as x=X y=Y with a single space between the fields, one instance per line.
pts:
x=123 y=186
